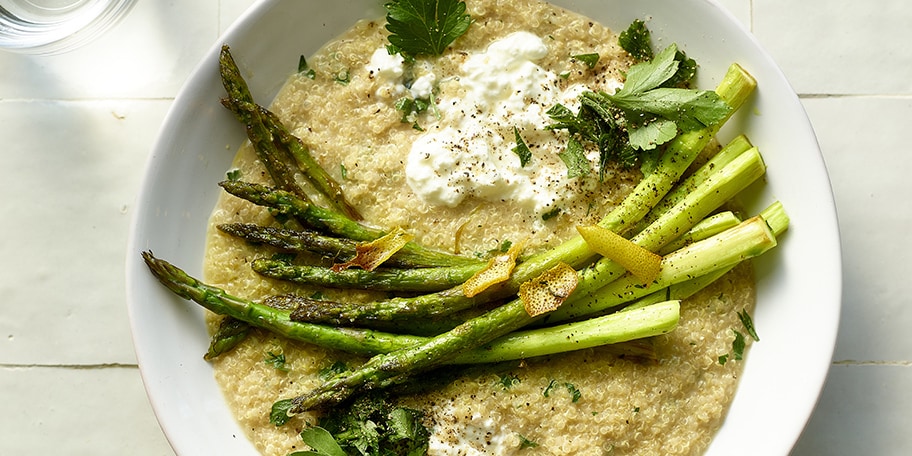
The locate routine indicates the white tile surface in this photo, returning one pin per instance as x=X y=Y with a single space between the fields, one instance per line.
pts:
x=78 y=167
x=869 y=170
x=838 y=46
x=68 y=380
x=84 y=411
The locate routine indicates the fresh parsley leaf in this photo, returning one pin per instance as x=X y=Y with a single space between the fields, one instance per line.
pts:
x=425 y=27
x=526 y=443
x=748 y=323
x=649 y=74
x=590 y=59
x=652 y=134
x=322 y=442
x=575 y=159
x=723 y=359
x=277 y=361
x=279 y=413
x=687 y=70
x=738 y=345
x=521 y=149
x=637 y=41
x=234 y=175
x=643 y=95
x=305 y=69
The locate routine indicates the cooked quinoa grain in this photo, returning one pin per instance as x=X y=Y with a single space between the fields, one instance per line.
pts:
x=604 y=401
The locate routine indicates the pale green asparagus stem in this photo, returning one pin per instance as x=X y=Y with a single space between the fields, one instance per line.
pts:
x=646 y=321
x=712 y=225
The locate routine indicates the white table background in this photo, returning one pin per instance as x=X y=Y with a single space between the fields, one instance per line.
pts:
x=77 y=128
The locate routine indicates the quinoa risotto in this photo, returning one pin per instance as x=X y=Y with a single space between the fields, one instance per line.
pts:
x=590 y=402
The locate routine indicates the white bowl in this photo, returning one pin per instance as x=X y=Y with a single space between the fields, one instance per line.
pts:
x=799 y=282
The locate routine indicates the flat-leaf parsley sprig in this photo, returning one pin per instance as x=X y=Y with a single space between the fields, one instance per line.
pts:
x=648 y=111
x=425 y=27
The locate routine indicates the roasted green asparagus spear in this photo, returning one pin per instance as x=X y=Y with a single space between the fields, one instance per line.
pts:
x=382 y=279
x=283 y=154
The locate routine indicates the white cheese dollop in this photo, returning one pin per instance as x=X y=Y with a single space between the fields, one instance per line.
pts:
x=469 y=152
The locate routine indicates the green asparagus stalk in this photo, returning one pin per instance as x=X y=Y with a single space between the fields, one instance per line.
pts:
x=714 y=224
x=646 y=321
x=729 y=152
x=333 y=222
x=230 y=332
x=709 y=195
x=283 y=154
x=276 y=163
x=357 y=341
x=300 y=241
x=382 y=279
x=278 y=320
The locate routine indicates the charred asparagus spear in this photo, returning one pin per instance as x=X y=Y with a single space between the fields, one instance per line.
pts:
x=283 y=154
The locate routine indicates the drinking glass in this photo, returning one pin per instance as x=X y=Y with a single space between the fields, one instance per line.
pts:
x=55 y=26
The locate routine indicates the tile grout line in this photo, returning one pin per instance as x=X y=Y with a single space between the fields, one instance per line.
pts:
x=99 y=366
x=882 y=363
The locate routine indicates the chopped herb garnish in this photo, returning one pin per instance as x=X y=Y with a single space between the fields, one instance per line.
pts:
x=234 y=175
x=723 y=359
x=321 y=442
x=420 y=27
x=575 y=158
x=334 y=369
x=526 y=443
x=547 y=390
x=748 y=323
x=371 y=425
x=590 y=59
x=738 y=345
x=508 y=381
x=521 y=149
x=278 y=415
x=342 y=77
x=505 y=246
x=277 y=361
x=575 y=394
x=343 y=171
x=551 y=214
x=305 y=69
x=637 y=41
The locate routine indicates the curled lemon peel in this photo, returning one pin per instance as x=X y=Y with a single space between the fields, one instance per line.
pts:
x=548 y=291
x=496 y=271
x=641 y=263
x=370 y=255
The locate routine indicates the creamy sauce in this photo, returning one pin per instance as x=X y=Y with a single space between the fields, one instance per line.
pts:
x=469 y=152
